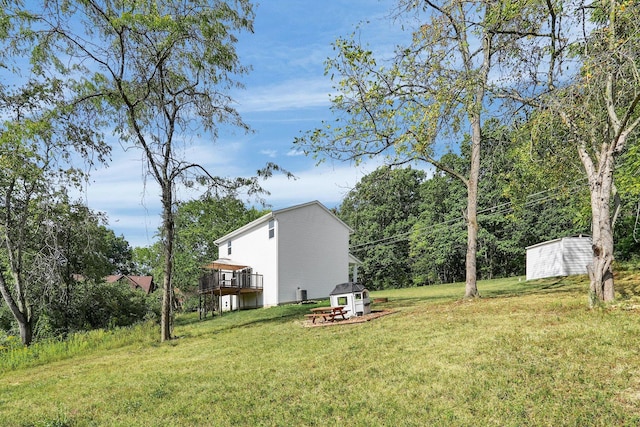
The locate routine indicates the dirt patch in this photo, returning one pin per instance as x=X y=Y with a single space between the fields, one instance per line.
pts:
x=355 y=319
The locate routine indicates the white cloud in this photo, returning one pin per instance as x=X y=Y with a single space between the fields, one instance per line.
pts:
x=291 y=94
x=269 y=153
x=295 y=153
x=325 y=183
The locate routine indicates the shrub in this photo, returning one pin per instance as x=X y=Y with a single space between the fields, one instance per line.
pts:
x=92 y=305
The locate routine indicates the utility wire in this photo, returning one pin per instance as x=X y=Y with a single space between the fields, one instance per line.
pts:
x=503 y=208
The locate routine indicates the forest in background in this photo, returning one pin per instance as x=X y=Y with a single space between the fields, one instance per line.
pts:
x=409 y=224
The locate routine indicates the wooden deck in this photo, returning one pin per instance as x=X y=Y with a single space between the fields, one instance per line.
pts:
x=215 y=284
x=226 y=283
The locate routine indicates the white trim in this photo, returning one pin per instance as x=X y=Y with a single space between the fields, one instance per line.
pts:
x=354 y=260
x=272 y=215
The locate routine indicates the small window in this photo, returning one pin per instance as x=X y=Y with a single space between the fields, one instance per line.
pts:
x=272 y=229
x=358 y=296
x=229 y=247
x=342 y=300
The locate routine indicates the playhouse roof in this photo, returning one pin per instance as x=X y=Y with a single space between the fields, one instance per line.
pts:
x=347 y=288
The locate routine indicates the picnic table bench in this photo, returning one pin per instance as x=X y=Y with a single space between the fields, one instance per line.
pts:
x=328 y=314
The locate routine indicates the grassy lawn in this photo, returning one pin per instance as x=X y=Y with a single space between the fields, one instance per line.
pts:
x=524 y=354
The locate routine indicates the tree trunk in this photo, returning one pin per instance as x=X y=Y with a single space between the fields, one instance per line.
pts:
x=26 y=331
x=601 y=271
x=20 y=310
x=601 y=287
x=471 y=287
x=167 y=289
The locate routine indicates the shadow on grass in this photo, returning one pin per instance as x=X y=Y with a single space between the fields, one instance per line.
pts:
x=397 y=299
x=556 y=285
x=245 y=318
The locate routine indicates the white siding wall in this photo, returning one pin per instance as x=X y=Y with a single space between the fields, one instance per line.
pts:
x=561 y=257
x=349 y=307
x=313 y=252
x=255 y=249
x=577 y=254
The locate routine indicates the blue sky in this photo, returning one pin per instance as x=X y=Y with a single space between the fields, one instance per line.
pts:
x=285 y=93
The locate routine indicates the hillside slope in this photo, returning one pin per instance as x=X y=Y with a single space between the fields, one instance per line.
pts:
x=524 y=354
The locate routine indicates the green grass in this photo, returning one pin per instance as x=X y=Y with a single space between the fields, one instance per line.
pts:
x=524 y=354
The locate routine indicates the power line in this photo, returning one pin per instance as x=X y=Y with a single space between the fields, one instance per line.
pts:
x=503 y=208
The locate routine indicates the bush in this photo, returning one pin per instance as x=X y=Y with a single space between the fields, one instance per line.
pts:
x=96 y=306
x=6 y=317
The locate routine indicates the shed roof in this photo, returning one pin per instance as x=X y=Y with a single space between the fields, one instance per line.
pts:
x=348 y=288
x=550 y=242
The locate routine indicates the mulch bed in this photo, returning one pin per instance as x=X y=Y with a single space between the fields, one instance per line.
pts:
x=355 y=319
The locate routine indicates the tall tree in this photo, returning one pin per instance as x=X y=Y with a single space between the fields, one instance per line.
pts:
x=198 y=224
x=520 y=203
x=597 y=100
x=382 y=209
x=38 y=138
x=432 y=93
x=159 y=70
x=438 y=238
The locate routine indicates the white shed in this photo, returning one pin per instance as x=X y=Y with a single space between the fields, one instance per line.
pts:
x=560 y=257
x=354 y=297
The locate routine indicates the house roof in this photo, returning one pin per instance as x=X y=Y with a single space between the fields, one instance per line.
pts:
x=224 y=264
x=274 y=214
x=354 y=260
x=143 y=282
x=348 y=288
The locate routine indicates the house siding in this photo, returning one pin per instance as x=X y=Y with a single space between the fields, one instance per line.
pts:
x=313 y=252
x=309 y=250
x=254 y=248
x=560 y=257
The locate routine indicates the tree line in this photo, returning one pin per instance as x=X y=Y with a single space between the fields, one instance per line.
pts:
x=409 y=224
x=566 y=72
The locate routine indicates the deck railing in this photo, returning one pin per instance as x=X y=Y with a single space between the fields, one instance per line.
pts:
x=213 y=280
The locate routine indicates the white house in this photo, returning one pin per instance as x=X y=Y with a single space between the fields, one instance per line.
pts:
x=300 y=252
x=560 y=257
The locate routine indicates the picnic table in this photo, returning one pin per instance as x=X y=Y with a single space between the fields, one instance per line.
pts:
x=328 y=314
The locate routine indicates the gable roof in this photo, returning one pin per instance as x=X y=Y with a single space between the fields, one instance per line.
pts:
x=583 y=237
x=143 y=282
x=273 y=215
x=347 y=288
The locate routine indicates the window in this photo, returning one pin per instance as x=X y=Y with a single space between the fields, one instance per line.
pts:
x=272 y=229
x=342 y=300
x=358 y=296
x=229 y=247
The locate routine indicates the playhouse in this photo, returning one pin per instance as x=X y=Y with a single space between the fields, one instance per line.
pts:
x=354 y=297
